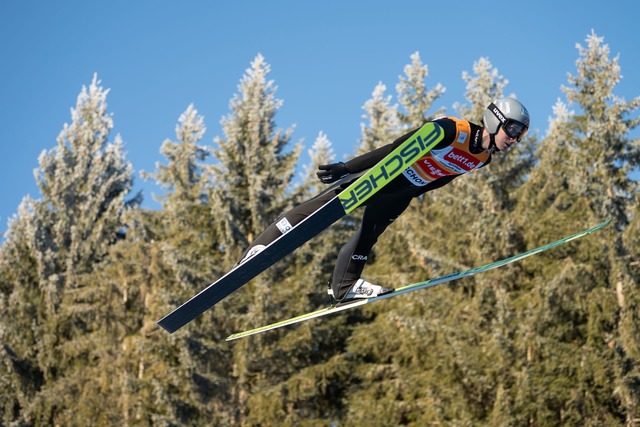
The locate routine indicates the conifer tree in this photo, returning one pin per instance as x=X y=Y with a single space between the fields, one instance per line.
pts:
x=193 y=387
x=601 y=130
x=382 y=127
x=387 y=122
x=58 y=315
x=414 y=95
x=314 y=385
x=383 y=118
x=603 y=143
x=20 y=375
x=382 y=362
x=317 y=257
x=251 y=183
x=469 y=207
x=628 y=300
x=321 y=153
x=189 y=225
x=254 y=173
x=582 y=322
x=484 y=86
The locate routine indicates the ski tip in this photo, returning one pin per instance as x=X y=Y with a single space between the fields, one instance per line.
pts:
x=231 y=337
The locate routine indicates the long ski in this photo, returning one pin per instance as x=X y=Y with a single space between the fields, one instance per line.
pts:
x=415 y=286
x=427 y=137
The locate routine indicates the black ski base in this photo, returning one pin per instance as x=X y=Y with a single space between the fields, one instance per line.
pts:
x=236 y=278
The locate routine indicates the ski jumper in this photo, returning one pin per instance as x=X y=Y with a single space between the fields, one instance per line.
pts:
x=459 y=152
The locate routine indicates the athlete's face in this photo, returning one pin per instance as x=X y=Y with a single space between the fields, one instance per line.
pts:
x=503 y=141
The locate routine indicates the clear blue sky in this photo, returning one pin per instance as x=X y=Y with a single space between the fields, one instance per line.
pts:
x=159 y=56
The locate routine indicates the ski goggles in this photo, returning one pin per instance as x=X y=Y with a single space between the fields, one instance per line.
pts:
x=514 y=129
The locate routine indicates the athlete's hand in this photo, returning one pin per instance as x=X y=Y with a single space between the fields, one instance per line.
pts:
x=332 y=173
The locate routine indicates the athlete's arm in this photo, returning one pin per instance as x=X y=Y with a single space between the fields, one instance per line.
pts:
x=368 y=160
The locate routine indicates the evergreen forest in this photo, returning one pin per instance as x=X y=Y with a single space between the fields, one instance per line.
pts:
x=554 y=340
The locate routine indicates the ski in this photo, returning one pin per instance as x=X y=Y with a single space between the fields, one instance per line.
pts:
x=423 y=140
x=415 y=286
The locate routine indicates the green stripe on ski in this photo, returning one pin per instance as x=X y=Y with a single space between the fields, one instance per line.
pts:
x=417 y=286
x=420 y=143
x=298 y=319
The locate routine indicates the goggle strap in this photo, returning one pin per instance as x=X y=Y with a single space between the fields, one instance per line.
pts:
x=496 y=112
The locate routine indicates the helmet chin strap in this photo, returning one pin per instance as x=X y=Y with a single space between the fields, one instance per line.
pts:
x=492 y=142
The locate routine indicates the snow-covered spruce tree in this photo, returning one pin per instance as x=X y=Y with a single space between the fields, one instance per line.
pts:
x=479 y=218
x=320 y=153
x=59 y=321
x=181 y=378
x=484 y=86
x=584 y=297
x=188 y=230
x=370 y=359
x=414 y=95
x=254 y=171
x=383 y=121
x=251 y=181
x=306 y=390
x=604 y=156
x=317 y=257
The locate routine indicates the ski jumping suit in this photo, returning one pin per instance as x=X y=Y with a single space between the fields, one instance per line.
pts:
x=459 y=152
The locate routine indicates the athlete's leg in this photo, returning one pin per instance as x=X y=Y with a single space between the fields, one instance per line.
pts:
x=378 y=215
x=289 y=219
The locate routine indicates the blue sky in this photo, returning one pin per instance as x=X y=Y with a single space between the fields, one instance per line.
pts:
x=157 y=57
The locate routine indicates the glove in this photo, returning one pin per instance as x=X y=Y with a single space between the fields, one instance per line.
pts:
x=332 y=173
